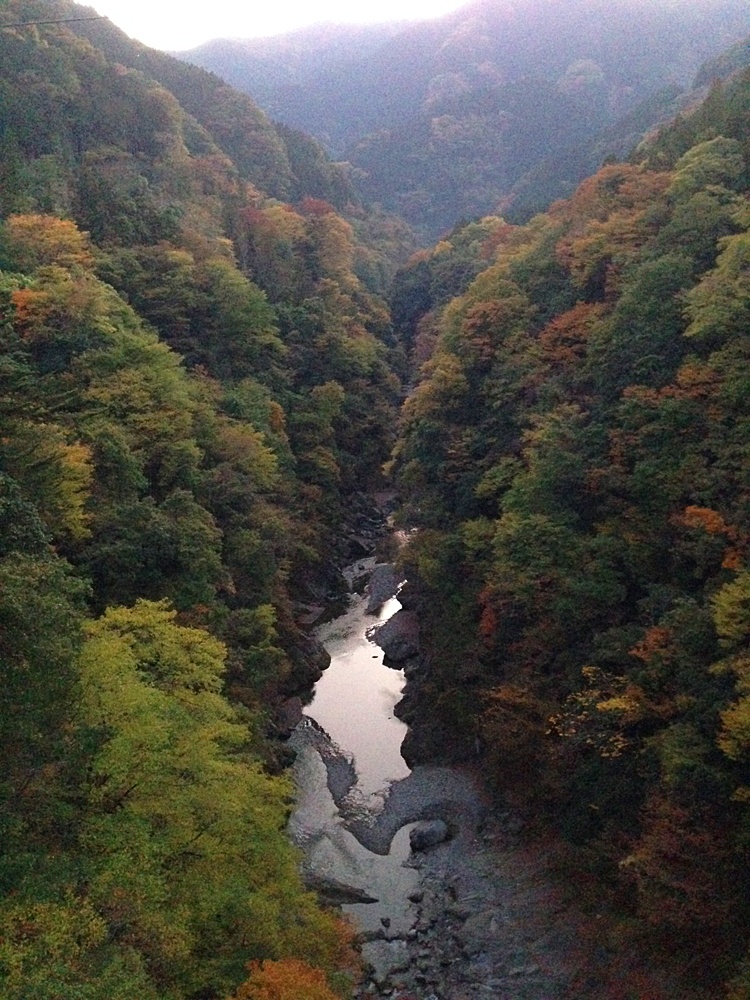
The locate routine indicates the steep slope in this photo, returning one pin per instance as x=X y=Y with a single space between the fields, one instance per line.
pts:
x=200 y=253
x=735 y=58
x=443 y=119
x=196 y=389
x=574 y=457
x=234 y=122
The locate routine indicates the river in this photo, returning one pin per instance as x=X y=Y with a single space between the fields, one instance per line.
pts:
x=354 y=700
x=357 y=800
x=347 y=758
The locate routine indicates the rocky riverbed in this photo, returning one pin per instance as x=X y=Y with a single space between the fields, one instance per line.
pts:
x=471 y=916
x=450 y=920
x=477 y=913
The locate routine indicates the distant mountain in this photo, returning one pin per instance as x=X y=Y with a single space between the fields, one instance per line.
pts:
x=733 y=59
x=309 y=79
x=452 y=117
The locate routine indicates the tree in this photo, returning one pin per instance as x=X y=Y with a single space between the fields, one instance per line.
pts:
x=288 y=979
x=28 y=242
x=183 y=830
x=716 y=163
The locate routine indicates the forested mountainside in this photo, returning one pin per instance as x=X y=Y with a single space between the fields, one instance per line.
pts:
x=199 y=378
x=233 y=122
x=575 y=458
x=497 y=107
x=196 y=388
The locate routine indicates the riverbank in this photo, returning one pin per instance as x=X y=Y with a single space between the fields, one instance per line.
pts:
x=476 y=915
x=485 y=919
x=455 y=921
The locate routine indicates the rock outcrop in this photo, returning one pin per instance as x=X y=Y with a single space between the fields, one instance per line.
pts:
x=398 y=637
x=382 y=586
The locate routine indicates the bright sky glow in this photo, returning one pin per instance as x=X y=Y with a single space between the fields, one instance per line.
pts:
x=183 y=24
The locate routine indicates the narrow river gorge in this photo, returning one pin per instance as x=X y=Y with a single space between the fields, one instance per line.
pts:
x=476 y=914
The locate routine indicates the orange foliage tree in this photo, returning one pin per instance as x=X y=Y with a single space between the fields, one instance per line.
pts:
x=287 y=979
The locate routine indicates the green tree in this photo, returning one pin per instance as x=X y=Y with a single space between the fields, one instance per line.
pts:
x=184 y=830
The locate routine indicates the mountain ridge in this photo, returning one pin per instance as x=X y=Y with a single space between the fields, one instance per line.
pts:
x=442 y=111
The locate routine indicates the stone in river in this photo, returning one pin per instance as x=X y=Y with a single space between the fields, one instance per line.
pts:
x=428 y=834
x=386 y=958
x=334 y=892
x=383 y=584
x=398 y=637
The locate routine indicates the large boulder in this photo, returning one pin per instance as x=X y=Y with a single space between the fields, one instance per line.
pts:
x=428 y=834
x=478 y=931
x=288 y=715
x=383 y=584
x=398 y=637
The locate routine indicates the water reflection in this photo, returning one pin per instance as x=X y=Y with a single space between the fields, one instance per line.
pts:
x=392 y=882
x=355 y=698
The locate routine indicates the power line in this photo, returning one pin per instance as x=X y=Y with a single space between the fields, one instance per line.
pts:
x=55 y=20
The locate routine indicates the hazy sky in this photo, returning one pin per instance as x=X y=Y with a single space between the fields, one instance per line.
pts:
x=181 y=24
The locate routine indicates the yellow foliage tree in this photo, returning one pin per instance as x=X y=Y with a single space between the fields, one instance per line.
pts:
x=34 y=241
x=56 y=475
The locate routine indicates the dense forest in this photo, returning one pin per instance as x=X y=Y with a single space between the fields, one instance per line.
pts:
x=197 y=387
x=205 y=340
x=575 y=459
x=498 y=107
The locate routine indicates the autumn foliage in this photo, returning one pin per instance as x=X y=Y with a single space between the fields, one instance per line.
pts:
x=196 y=392
x=287 y=979
x=574 y=456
